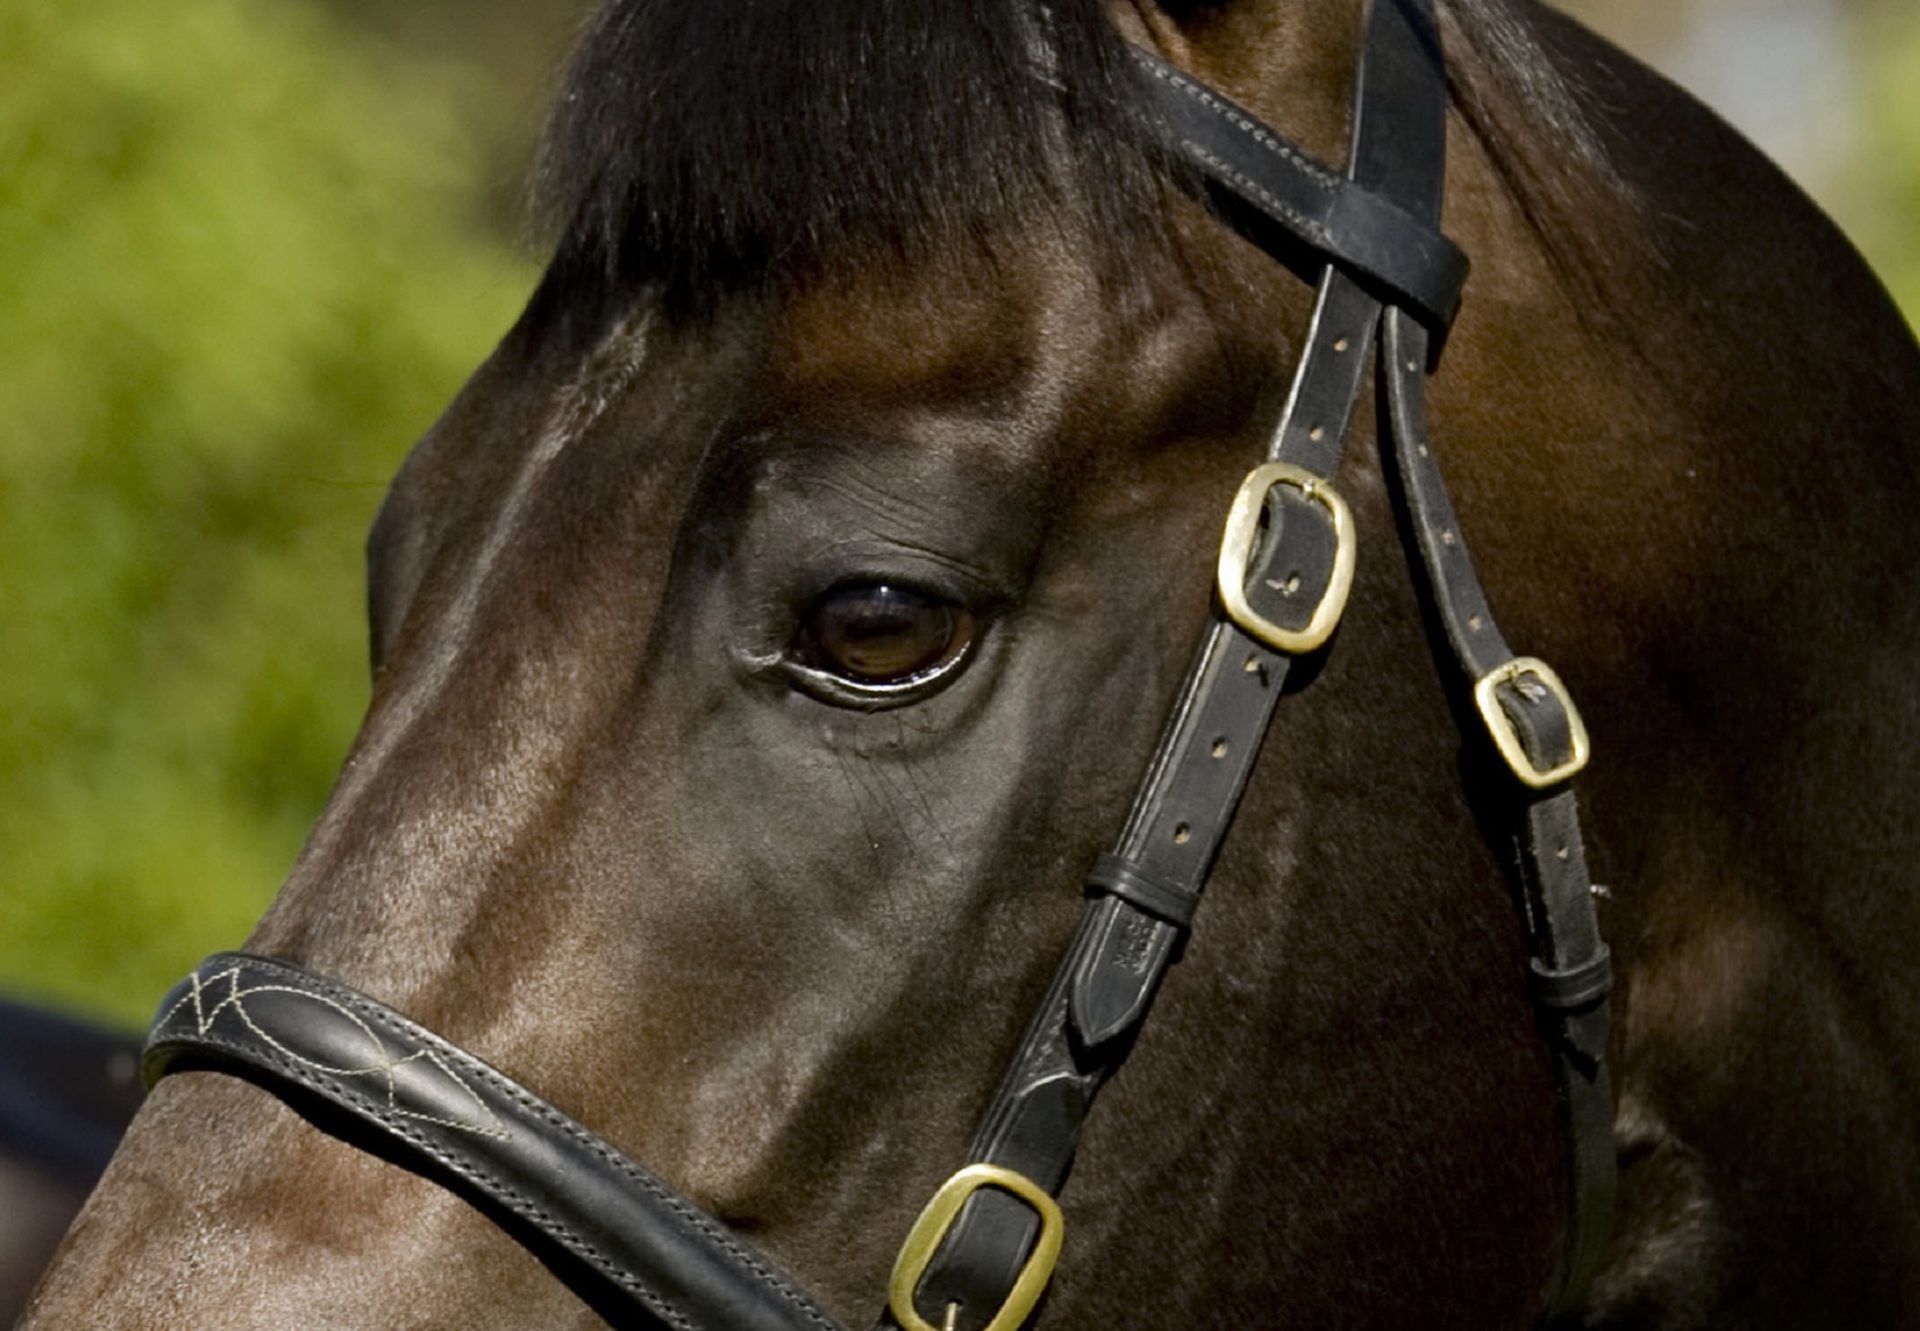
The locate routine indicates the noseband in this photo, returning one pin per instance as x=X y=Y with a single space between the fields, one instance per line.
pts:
x=982 y=1252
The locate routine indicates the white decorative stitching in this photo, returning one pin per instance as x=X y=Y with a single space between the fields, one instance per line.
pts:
x=1239 y=120
x=384 y=1068
x=1311 y=228
x=315 y=1074
x=689 y=1214
x=509 y=1196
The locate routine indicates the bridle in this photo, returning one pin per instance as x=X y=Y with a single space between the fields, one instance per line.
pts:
x=982 y=1251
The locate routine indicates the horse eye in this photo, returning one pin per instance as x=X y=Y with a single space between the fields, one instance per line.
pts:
x=873 y=633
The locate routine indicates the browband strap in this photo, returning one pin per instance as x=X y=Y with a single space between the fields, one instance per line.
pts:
x=1404 y=259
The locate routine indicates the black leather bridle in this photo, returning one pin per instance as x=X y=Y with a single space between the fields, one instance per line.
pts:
x=983 y=1250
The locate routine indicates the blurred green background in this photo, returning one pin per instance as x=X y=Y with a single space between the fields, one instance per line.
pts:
x=248 y=249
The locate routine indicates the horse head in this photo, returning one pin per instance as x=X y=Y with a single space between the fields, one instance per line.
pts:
x=779 y=624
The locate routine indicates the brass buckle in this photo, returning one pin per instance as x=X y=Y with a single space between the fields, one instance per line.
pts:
x=1236 y=553
x=916 y=1254
x=1506 y=737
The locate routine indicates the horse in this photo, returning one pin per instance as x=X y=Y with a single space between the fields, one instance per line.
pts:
x=776 y=627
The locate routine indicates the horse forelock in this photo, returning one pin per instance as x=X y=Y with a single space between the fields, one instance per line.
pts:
x=714 y=146
x=703 y=149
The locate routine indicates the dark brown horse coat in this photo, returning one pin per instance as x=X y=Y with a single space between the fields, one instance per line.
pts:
x=777 y=947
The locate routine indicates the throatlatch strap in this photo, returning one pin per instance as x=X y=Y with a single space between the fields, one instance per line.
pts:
x=1522 y=702
x=641 y=1245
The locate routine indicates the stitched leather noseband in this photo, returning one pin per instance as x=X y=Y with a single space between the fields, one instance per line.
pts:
x=983 y=1250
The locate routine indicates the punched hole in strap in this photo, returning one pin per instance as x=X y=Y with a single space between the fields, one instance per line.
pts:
x=1116 y=877
x=1574 y=988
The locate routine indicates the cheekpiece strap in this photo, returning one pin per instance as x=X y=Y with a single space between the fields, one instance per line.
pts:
x=1285 y=565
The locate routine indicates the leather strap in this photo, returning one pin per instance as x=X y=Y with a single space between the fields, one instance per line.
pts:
x=1105 y=985
x=1103 y=989
x=646 y=1248
x=1570 y=969
x=1368 y=235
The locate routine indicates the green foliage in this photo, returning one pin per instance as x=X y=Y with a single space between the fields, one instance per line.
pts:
x=1886 y=187
x=243 y=270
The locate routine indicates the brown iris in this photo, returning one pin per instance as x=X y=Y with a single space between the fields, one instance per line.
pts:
x=874 y=633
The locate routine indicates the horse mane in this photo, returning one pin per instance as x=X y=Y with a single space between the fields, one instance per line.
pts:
x=1543 y=108
x=706 y=148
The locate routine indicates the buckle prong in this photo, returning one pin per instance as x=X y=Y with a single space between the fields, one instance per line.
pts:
x=930 y=1230
x=1236 y=554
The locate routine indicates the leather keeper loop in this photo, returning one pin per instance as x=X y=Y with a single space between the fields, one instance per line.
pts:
x=1115 y=877
x=1575 y=988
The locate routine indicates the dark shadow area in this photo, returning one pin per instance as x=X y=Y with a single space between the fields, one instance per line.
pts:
x=67 y=1091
